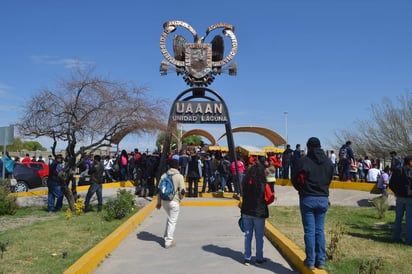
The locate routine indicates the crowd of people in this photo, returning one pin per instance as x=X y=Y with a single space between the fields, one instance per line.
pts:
x=310 y=172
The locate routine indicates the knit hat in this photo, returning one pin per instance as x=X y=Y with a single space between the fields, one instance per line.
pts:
x=313 y=142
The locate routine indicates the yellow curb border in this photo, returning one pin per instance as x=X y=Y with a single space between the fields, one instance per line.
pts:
x=209 y=203
x=289 y=249
x=89 y=261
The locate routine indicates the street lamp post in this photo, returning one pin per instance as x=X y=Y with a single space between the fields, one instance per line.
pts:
x=286 y=126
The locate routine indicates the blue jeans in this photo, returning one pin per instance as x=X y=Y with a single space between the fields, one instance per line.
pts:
x=237 y=183
x=286 y=170
x=94 y=188
x=313 y=211
x=223 y=178
x=257 y=225
x=54 y=194
x=403 y=205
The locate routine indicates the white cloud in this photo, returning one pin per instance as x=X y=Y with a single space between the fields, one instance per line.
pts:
x=4 y=90
x=66 y=62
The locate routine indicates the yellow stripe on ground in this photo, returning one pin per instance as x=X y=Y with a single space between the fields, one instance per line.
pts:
x=89 y=261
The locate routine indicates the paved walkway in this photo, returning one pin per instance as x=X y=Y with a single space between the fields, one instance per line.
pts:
x=208 y=238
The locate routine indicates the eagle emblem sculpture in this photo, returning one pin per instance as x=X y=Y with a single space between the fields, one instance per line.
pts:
x=198 y=61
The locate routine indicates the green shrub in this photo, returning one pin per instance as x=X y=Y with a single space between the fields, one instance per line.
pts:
x=371 y=266
x=8 y=205
x=333 y=247
x=119 y=207
x=381 y=205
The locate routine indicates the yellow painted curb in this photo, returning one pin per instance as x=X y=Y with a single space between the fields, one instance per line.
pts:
x=209 y=203
x=289 y=249
x=89 y=261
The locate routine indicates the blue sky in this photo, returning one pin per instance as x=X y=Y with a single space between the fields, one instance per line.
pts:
x=323 y=62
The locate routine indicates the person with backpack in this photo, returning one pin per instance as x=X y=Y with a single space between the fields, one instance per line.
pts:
x=401 y=185
x=345 y=158
x=171 y=201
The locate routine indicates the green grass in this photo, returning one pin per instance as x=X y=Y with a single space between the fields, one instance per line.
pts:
x=37 y=245
x=366 y=238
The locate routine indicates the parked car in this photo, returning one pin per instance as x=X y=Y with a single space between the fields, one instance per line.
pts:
x=40 y=168
x=27 y=178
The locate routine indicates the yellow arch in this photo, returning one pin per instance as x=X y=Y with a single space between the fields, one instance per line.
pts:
x=200 y=132
x=275 y=138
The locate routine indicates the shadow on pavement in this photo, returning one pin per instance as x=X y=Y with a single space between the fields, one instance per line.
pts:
x=238 y=257
x=150 y=237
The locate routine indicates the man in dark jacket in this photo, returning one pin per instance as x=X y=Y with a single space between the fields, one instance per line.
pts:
x=96 y=173
x=401 y=184
x=311 y=177
x=55 y=194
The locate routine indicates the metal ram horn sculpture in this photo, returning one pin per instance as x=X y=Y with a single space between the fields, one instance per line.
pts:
x=198 y=62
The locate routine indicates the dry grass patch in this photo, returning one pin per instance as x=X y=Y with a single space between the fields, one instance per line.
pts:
x=366 y=239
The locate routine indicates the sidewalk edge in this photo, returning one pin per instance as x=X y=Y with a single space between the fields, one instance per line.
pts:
x=89 y=261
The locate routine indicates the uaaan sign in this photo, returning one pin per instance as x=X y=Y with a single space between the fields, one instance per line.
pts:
x=198 y=112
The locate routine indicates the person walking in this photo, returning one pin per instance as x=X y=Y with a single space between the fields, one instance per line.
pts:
x=401 y=185
x=311 y=177
x=172 y=207
x=254 y=211
x=96 y=173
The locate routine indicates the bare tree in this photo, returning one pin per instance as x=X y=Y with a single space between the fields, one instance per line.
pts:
x=388 y=129
x=89 y=112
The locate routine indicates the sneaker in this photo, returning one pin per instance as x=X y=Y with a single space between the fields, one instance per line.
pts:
x=260 y=262
x=310 y=267
x=246 y=262
x=172 y=244
x=320 y=266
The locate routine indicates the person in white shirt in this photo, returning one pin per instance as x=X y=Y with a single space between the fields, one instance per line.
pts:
x=332 y=157
x=373 y=174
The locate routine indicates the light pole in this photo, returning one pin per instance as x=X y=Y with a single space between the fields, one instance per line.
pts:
x=286 y=126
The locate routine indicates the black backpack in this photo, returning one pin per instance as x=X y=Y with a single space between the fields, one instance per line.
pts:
x=343 y=153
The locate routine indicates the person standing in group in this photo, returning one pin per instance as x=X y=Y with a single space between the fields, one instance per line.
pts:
x=297 y=153
x=395 y=160
x=311 y=177
x=54 y=193
x=194 y=172
x=373 y=174
x=172 y=207
x=207 y=173
x=123 y=165
x=254 y=211
x=26 y=159
x=383 y=181
x=286 y=162
x=401 y=184
x=237 y=179
x=96 y=173
x=332 y=158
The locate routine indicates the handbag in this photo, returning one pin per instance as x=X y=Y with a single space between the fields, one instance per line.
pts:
x=269 y=195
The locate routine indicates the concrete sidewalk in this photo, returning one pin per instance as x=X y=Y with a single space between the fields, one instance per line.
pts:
x=208 y=240
x=207 y=236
